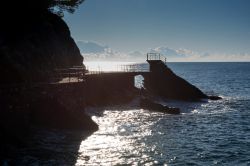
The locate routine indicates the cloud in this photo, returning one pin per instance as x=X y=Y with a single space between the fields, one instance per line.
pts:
x=90 y=47
x=93 y=51
x=176 y=54
x=169 y=52
x=216 y=57
x=137 y=56
x=185 y=55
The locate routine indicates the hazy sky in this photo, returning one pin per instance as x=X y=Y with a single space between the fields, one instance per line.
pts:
x=208 y=26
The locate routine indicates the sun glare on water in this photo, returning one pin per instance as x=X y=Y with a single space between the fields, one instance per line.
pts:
x=119 y=140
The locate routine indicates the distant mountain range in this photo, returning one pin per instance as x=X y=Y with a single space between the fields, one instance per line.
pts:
x=93 y=51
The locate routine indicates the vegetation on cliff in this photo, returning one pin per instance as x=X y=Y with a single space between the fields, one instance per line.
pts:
x=32 y=7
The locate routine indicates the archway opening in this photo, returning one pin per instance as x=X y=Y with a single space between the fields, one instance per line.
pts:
x=139 y=81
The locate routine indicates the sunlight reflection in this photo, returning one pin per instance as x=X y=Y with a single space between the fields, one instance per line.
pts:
x=142 y=137
x=118 y=140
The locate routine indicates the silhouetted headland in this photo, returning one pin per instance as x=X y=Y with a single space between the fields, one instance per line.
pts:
x=34 y=43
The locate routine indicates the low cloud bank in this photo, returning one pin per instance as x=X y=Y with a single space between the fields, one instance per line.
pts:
x=93 y=51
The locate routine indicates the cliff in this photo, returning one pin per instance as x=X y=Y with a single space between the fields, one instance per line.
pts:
x=32 y=46
x=30 y=49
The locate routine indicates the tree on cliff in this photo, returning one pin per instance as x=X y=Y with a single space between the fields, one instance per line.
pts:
x=58 y=6
x=33 y=7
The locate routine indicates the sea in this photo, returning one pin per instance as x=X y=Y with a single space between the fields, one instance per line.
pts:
x=205 y=133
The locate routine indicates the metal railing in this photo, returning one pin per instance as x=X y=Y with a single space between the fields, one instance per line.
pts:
x=128 y=67
x=120 y=69
x=69 y=75
x=156 y=56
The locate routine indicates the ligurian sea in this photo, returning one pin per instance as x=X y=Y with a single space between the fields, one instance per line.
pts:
x=205 y=133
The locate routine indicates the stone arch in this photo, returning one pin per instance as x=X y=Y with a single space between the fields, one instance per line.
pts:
x=139 y=81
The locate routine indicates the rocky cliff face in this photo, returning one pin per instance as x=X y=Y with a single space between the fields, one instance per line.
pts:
x=30 y=49
x=164 y=82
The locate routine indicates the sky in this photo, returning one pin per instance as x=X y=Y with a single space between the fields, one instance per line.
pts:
x=202 y=30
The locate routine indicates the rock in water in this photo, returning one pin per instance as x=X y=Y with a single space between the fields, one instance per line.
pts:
x=153 y=106
x=164 y=82
x=214 y=97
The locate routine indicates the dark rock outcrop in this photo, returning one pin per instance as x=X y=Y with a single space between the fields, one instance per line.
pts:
x=62 y=106
x=154 y=106
x=31 y=49
x=164 y=82
x=32 y=45
x=214 y=97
